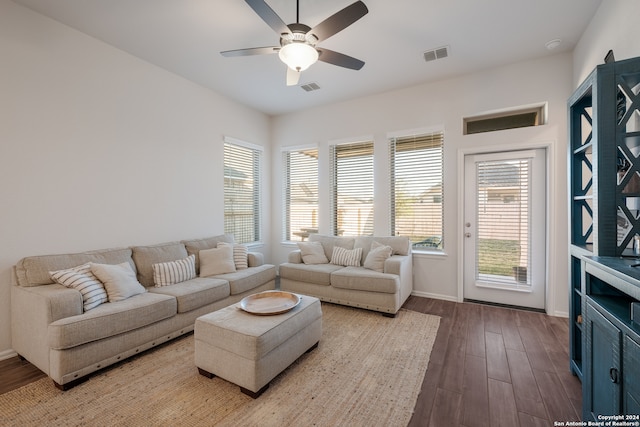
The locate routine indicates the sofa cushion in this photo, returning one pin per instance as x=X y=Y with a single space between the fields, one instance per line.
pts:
x=312 y=253
x=377 y=256
x=401 y=245
x=83 y=280
x=34 y=270
x=250 y=278
x=172 y=272
x=216 y=261
x=362 y=279
x=320 y=274
x=110 y=319
x=195 y=293
x=194 y=246
x=240 y=253
x=346 y=257
x=146 y=256
x=119 y=280
x=328 y=242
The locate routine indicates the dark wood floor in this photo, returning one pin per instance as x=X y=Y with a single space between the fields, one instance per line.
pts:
x=490 y=366
x=493 y=366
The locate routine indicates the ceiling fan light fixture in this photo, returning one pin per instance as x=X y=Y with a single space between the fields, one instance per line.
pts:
x=298 y=56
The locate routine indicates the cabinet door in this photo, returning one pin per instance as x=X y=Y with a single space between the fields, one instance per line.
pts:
x=631 y=367
x=601 y=388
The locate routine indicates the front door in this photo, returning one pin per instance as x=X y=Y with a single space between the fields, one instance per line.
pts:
x=505 y=228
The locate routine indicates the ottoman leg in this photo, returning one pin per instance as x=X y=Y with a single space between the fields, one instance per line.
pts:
x=254 y=394
x=313 y=347
x=205 y=373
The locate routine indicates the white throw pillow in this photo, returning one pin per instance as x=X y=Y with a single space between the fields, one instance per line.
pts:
x=216 y=261
x=119 y=280
x=377 y=256
x=346 y=257
x=240 y=253
x=82 y=279
x=172 y=272
x=312 y=253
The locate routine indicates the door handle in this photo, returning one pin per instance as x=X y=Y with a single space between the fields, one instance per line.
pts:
x=614 y=375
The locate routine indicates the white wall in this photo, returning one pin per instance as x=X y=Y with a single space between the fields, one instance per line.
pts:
x=614 y=26
x=444 y=103
x=100 y=149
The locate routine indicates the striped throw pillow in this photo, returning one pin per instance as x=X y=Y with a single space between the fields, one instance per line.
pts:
x=239 y=255
x=82 y=279
x=346 y=257
x=172 y=272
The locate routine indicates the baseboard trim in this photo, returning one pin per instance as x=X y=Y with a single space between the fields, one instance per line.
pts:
x=7 y=354
x=434 y=296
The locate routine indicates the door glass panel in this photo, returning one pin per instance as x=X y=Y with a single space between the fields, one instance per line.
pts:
x=503 y=218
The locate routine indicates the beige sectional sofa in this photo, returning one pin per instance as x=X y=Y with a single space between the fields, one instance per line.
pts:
x=51 y=329
x=383 y=285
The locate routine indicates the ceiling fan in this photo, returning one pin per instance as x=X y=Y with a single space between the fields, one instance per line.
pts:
x=298 y=42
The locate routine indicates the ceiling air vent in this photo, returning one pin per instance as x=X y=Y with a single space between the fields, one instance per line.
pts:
x=437 y=53
x=310 y=87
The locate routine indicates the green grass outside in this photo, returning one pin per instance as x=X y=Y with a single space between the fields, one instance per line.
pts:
x=498 y=256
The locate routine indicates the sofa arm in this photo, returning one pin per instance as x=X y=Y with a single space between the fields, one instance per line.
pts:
x=33 y=309
x=397 y=264
x=295 y=257
x=402 y=265
x=255 y=259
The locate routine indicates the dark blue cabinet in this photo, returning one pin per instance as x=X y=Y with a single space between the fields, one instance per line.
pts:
x=603 y=376
x=611 y=339
x=604 y=179
x=631 y=384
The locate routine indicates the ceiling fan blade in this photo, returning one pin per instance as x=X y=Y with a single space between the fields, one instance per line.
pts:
x=339 y=21
x=293 y=77
x=339 y=59
x=269 y=16
x=251 y=51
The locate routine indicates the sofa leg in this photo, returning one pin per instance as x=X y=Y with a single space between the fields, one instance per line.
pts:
x=205 y=373
x=391 y=315
x=254 y=394
x=70 y=384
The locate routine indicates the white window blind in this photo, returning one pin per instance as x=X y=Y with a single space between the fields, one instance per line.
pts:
x=502 y=238
x=417 y=196
x=300 y=193
x=352 y=188
x=242 y=204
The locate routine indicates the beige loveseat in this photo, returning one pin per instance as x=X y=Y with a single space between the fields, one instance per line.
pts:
x=383 y=285
x=53 y=330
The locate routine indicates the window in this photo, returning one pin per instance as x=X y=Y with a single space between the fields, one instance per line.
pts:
x=352 y=189
x=242 y=172
x=417 y=196
x=300 y=193
x=512 y=119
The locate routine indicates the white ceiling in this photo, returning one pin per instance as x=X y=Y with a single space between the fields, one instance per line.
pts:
x=186 y=36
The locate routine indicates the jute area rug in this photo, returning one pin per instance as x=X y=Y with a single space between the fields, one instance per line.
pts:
x=367 y=371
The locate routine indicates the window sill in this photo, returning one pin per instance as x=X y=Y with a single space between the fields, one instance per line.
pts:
x=429 y=254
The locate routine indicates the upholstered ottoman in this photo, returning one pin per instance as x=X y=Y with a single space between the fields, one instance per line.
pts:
x=250 y=350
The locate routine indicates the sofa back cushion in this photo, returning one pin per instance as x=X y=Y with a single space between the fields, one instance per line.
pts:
x=401 y=245
x=328 y=242
x=146 y=256
x=196 y=245
x=34 y=270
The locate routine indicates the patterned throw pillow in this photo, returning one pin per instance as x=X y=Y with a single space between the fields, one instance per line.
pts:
x=82 y=279
x=172 y=272
x=239 y=255
x=346 y=257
